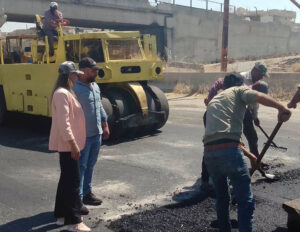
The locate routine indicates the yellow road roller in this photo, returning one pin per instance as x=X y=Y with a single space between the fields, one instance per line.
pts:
x=128 y=60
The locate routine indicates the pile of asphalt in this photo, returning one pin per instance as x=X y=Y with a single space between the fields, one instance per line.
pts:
x=198 y=213
x=289 y=175
x=189 y=216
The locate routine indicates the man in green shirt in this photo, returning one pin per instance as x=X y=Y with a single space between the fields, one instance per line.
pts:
x=223 y=153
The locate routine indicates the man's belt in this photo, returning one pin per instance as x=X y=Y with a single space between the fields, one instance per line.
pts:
x=222 y=146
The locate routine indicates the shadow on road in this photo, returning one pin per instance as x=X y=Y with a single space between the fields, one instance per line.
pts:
x=26 y=132
x=234 y=224
x=190 y=196
x=131 y=136
x=39 y=223
x=32 y=132
x=281 y=229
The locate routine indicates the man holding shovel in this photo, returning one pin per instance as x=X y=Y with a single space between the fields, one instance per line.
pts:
x=251 y=79
x=223 y=152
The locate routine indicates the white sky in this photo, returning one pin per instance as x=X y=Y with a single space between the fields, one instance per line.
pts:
x=248 y=4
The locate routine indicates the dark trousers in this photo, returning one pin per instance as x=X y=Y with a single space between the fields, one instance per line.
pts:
x=204 y=173
x=52 y=37
x=250 y=134
x=68 y=203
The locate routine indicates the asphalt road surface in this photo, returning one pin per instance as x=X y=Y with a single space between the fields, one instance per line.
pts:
x=153 y=181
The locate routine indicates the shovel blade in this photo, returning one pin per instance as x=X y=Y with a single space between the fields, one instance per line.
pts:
x=271 y=176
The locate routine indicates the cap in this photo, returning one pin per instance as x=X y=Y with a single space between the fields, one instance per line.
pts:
x=88 y=62
x=233 y=79
x=53 y=4
x=260 y=66
x=261 y=86
x=68 y=67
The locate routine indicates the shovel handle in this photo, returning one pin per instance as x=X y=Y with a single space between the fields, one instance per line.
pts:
x=267 y=145
x=263 y=131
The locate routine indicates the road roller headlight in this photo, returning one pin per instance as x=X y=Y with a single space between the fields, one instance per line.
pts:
x=101 y=73
x=158 y=70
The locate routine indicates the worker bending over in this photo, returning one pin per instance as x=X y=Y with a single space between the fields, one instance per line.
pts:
x=251 y=78
x=222 y=148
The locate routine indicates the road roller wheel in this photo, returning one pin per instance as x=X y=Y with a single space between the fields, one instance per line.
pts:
x=161 y=104
x=2 y=105
x=109 y=111
x=125 y=117
x=123 y=105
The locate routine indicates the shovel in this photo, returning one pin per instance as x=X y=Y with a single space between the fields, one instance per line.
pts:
x=273 y=144
x=263 y=152
x=268 y=175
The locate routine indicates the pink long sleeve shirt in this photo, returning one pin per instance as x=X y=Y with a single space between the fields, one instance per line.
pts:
x=68 y=122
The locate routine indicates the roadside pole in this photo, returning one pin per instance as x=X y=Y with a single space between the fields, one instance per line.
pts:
x=224 y=52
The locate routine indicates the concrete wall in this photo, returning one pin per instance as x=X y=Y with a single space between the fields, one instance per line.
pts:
x=171 y=79
x=278 y=82
x=197 y=36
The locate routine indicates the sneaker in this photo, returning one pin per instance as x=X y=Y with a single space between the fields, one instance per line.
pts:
x=91 y=199
x=80 y=227
x=60 y=221
x=84 y=210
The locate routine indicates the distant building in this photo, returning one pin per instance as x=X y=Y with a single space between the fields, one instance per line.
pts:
x=274 y=16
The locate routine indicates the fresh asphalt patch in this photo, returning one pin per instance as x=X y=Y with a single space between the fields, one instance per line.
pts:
x=198 y=212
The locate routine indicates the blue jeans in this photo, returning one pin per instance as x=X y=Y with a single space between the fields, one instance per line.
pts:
x=229 y=163
x=88 y=159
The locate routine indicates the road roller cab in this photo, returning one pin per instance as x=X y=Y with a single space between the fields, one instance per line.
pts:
x=128 y=60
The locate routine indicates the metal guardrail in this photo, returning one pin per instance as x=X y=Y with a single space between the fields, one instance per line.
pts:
x=203 y=4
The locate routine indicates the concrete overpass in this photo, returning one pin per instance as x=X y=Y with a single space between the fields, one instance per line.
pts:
x=90 y=13
x=105 y=14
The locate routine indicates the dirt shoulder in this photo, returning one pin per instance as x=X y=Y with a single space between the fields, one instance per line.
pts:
x=275 y=64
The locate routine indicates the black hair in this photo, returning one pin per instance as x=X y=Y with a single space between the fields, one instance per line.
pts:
x=233 y=79
x=261 y=86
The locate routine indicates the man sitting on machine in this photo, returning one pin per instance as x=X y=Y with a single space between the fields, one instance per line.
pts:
x=51 y=20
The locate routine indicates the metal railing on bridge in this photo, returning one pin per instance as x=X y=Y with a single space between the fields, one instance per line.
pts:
x=203 y=4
